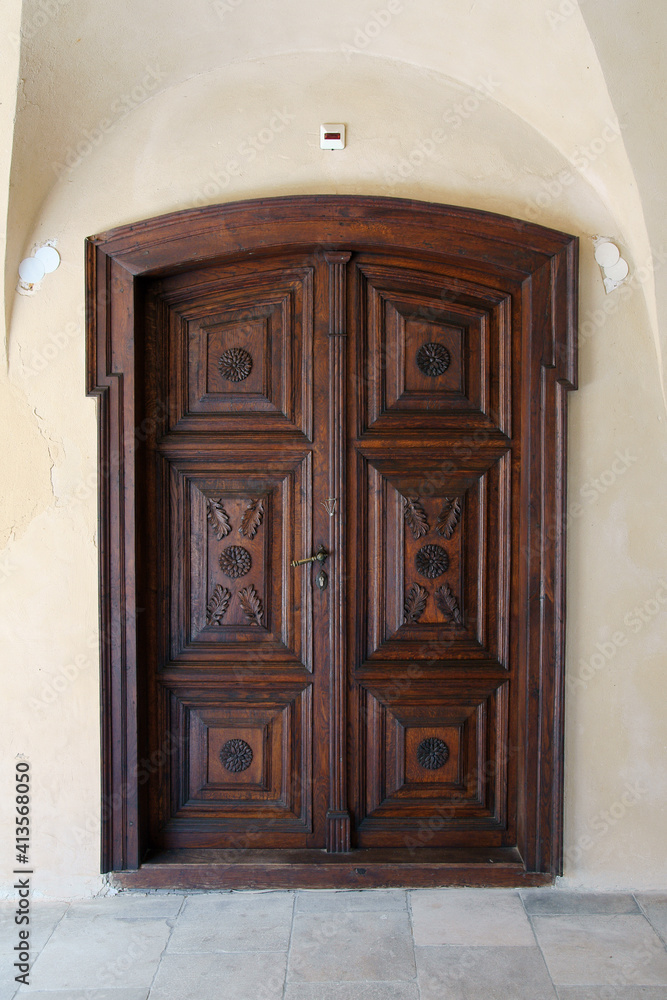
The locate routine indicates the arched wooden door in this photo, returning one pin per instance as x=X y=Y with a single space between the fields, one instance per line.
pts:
x=377 y=386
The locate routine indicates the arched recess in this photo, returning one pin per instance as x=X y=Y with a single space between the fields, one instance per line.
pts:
x=399 y=722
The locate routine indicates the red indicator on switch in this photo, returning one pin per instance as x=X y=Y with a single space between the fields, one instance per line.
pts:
x=332 y=135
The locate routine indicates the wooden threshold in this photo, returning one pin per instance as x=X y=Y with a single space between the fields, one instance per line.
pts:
x=315 y=869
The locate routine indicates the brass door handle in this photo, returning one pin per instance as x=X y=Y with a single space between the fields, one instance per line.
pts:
x=320 y=557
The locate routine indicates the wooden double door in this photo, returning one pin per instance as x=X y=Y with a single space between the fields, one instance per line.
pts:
x=368 y=406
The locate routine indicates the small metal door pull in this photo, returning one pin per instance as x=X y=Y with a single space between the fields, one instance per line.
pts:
x=320 y=557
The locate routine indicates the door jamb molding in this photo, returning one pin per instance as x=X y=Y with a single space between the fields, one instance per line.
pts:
x=543 y=260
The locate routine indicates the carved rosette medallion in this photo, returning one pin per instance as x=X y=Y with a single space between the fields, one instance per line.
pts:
x=235 y=561
x=433 y=359
x=236 y=755
x=431 y=561
x=235 y=364
x=432 y=753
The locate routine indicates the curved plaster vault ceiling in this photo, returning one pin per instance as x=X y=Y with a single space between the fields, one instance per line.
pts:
x=89 y=72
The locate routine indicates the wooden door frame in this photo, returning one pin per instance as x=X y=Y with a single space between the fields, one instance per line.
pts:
x=544 y=264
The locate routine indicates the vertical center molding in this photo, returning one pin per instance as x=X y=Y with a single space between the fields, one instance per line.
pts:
x=338 y=817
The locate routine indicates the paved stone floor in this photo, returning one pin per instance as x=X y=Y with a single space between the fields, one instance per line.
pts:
x=434 y=944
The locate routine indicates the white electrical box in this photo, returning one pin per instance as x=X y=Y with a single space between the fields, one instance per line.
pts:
x=332 y=136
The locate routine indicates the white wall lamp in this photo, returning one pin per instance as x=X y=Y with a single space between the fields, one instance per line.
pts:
x=45 y=259
x=614 y=267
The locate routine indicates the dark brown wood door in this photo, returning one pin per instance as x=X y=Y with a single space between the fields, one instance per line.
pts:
x=361 y=404
x=381 y=383
x=240 y=668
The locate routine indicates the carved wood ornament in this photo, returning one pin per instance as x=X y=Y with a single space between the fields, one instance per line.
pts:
x=431 y=561
x=218 y=604
x=449 y=517
x=304 y=723
x=236 y=756
x=235 y=561
x=415 y=603
x=433 y=359
x=252 y=605
x=432 y=753
x=235 y=364
x=415 y=517
x=217 y=518
x=252 y=518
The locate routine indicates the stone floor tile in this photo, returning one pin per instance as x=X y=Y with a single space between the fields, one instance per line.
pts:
x=548 y=901
x=368 y=900
x=91 y=994
x=467 y=917
x=512 y=973
x=352 y=991
x=222 y=976
x=234 y=922
x=611 y=992
x=654 y=905
x=100 y=952
x=613 y=950
x=340 y=946
x=128 y=906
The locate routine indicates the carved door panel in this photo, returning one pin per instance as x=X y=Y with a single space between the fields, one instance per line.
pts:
x=238 y=663
x=382 y=382
x=431 y=484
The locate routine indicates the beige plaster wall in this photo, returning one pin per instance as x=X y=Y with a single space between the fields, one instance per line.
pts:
x=174 y=105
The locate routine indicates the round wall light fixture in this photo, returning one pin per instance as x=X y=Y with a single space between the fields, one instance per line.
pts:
x=44 y=260
x=614 y=267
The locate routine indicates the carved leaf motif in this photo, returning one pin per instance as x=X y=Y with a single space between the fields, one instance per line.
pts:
x=448 y=604
x=217 y=518
x=415 y=603
x=252 y=518
x=216 y=607
x=252 y=605
x=415 y=517
x=449 y=517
